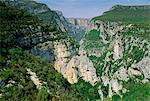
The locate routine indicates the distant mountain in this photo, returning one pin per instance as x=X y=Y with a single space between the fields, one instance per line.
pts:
x=42 y=12
x=41 y=61
x=127 y=14
x=53 y=18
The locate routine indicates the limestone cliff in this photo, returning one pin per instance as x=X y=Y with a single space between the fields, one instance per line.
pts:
x=82 y=22
x=117 y=53
x=118 y=56
x=72 y=66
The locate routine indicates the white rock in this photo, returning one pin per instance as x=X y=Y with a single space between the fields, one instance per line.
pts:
x=133 y=72
x=116 y=87
x=105 y=80
x=144 y=67
x=34 y=78
x=121 y=74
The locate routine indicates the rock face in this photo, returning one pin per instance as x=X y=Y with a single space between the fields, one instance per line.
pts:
x=79 y=22
x=117 y=48
x=116 y=58
x=109 y=33
x=117 y=55
x=34 y=78
x=74 y=67
x=62 y=56
x=86 y=70
x=143 y=67
x=44 y=50
x=35 y=39
x=78 y=27
x=54 y=18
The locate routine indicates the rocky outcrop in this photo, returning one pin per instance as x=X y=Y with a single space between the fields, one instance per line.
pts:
x=35 y=79
x=113 y=57
x=117 y=48
x=109 y=32
x=117 y=54
x=81 y=22
x=74 y=67
x=62 y=56
x=35 y=39
x=86 y=70
x=54 y=47
x=53 y=18
x=142 y=67
x=107 y=28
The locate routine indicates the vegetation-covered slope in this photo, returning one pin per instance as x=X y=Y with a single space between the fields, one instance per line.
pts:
x=17 y=85
x=15 y=82
x=116 y=46
x=129 y=14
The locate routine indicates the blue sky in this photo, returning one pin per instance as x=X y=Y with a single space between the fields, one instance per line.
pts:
x=87 y=8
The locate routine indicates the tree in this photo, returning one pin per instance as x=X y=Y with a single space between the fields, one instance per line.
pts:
x=42 y=95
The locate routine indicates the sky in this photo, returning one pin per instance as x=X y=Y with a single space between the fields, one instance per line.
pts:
x=87 y=8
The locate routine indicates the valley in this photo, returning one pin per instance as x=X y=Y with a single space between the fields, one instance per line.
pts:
x=48 y=57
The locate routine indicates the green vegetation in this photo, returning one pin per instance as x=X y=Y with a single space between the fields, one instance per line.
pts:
x=93 y=40
x=49 y=18
x=138 y=92
x=86 y=90
x=93 y=35
x=23 y=88
x=98 y=63
x=40 y=10
x=136 y=31
x=13 y=24
x=127 y=14
x=15 y=82
x=132 y=39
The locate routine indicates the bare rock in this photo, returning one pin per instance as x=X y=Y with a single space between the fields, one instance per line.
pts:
x=122 y=74
x=144 y=67
x=116 y=87
x=132 y=72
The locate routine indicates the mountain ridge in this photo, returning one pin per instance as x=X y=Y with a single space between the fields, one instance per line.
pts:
x=127 y=14
x=111 y=62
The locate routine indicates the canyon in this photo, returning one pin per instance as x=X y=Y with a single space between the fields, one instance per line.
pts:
x=104 y=54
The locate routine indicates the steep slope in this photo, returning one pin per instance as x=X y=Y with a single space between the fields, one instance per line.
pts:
x=44 y=42
x=22 y=75
x=112 y=60
x=81 y=22
x=42 y=11
x=119 y=49
x=54 y=19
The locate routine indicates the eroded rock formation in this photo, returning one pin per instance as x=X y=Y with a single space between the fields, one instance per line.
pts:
x=73 y=68
x=35 y=79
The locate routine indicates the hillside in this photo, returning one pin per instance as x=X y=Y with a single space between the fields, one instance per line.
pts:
x=41 y=60
x=139 y=15
x=55 y=19
x=15 y=81
x=119 y=47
